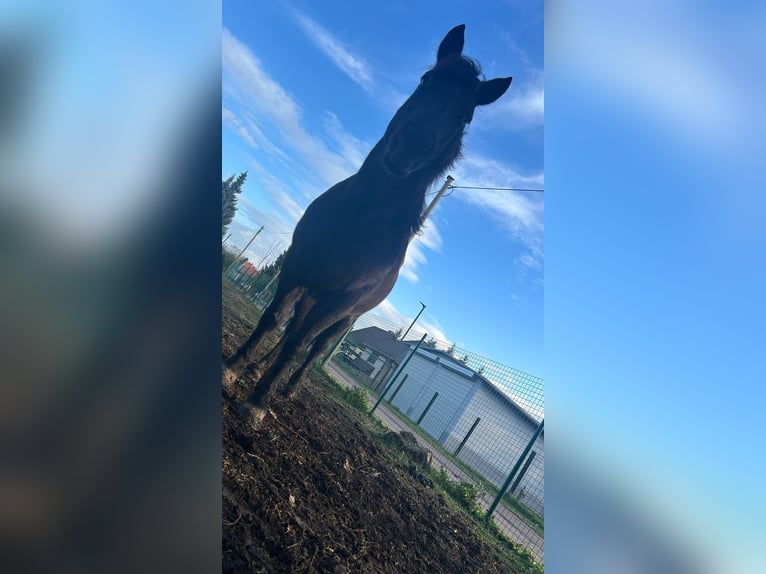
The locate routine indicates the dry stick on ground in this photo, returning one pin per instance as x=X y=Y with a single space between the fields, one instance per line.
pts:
x=225 y=523
x=291 y=430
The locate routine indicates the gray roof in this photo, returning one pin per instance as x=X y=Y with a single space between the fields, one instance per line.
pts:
x=381 y=341
x=451 y=360
x=384 y=343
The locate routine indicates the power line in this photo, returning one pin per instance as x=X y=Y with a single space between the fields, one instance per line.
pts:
x=279 y=232
x=495 y=188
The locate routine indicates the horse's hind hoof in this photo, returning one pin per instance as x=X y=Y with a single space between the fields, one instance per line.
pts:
x=229 y=378
x=253 y=414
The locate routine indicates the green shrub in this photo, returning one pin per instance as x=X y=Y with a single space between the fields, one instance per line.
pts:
x=464 y=493
x=357 y=398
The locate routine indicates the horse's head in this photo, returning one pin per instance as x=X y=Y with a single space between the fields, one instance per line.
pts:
x=427 y=130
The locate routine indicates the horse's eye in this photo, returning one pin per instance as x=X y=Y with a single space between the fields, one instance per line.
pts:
x=425 y=79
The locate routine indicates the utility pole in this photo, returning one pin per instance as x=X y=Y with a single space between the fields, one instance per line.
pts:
x=414 y=320
x=440 y=193
x=233 y=264
x=248 y=243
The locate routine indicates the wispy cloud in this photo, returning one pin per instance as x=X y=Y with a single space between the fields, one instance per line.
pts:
x=270 y=109
x=353 y=65
x=520 y=213
x=353 y=149
x=428 y=238
x=264 y=114
x=277 y=230
x=386 y=316
x=521 y=108
x=231 y=121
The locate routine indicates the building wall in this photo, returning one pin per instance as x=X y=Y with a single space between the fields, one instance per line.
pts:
x=496 y=444
x=377 y=365
x=498 y=440
x=424 y=379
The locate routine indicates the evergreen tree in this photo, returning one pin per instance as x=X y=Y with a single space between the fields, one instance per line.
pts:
x=230 y=188
x=274 y=268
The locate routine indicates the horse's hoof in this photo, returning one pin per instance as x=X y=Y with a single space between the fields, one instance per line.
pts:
x=229 y=377
x=253 y=414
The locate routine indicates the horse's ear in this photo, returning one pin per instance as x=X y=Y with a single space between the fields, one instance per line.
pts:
x=489 y=91
x=452 y=45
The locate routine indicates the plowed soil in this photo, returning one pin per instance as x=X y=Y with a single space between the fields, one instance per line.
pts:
x=313 y=490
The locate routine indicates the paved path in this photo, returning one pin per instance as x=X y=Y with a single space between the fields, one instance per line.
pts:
x=516 y=529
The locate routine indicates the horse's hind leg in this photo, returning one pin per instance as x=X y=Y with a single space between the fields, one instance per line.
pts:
x=257 y=404
x=295 y=325
x=318 y=319
x=321 y=345
x=272 y=316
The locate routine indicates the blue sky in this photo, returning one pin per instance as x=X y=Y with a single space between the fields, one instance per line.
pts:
x=307 y=91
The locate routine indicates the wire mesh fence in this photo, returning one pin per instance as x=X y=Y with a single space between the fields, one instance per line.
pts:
x=483 y=417
x=257 y=287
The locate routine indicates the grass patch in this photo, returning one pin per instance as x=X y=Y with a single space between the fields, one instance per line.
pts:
x=356 y=397
x=350 y=371
x=466 y=495
x=235 y=303
x=529 y=516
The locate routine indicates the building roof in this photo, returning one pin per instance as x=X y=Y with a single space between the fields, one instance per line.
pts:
x=384 y=343
x=455 y=365
x=381 y=341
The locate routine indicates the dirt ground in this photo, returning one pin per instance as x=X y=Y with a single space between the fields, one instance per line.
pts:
x=314 y=491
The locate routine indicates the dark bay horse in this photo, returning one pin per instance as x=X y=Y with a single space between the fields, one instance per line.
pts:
x=351 y=241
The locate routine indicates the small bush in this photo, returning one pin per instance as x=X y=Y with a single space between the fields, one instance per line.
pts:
x=357 y=398
x=464 y=493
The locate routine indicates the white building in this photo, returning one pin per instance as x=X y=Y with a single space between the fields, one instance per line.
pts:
x=463 y=410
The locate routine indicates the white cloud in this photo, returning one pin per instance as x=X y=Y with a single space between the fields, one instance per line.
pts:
x=526 y=107
x=388 y=317
x=354 y=66
x=348 y=146
x=248 y=219
x=268 y=106
x=520 y=213
x=520 y=108
x=283 y=199
x=231 y=121
x=427 y=238
x=263 y=110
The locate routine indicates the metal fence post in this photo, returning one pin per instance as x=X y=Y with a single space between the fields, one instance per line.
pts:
x=428 y=406
x=467 y=436
x=514 y=470
x=524 y=469
x=398 y=387
x=399 y=372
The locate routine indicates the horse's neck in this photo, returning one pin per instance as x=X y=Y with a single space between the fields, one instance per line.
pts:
x=385 y=192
